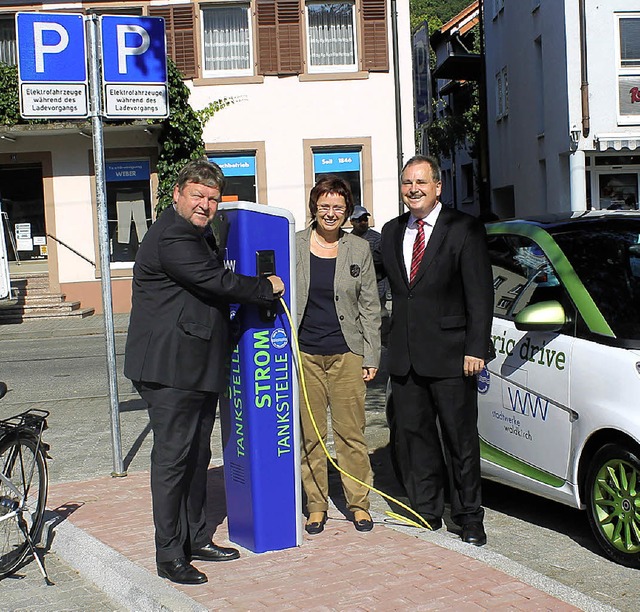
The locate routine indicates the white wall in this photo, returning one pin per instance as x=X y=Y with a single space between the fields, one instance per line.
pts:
x=282 y=112
x=602 y=36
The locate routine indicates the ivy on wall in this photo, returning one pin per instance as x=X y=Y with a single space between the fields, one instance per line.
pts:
x=9 y=101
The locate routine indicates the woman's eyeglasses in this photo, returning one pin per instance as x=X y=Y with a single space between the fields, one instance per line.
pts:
x=337 y=210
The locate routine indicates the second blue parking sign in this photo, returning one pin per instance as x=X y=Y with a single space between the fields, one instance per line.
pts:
x=134 y=66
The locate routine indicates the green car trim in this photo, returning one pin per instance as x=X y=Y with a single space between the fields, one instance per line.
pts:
x=580 y=296
x=498 y=457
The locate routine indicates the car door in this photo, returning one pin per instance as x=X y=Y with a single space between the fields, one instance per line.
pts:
x=524 y=421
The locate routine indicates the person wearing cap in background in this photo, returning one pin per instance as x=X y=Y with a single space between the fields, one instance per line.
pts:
x=360 y=224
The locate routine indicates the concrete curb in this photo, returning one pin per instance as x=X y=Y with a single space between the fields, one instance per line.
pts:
x=123 y=581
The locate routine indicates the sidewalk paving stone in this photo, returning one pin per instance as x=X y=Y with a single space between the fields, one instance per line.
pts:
x=339 y=569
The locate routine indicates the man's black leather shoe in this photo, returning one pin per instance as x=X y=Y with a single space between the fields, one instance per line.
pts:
x=211 y=552
x=473 y=533
x=180 y=571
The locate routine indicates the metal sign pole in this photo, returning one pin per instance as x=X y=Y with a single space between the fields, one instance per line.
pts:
x=103 y=239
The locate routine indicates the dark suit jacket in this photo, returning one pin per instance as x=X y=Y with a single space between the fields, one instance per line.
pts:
x=179 y=326
x=446 y=314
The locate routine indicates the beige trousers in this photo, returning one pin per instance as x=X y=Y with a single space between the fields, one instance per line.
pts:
x=334 y=381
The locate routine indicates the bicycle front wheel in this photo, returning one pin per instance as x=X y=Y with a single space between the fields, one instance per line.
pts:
x=23 y=495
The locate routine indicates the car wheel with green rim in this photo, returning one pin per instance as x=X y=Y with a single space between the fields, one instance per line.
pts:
x=613 y=503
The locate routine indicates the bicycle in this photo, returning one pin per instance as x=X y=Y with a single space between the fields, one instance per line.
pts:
x=24 y=482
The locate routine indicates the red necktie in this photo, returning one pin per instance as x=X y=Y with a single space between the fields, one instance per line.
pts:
x=418 y=250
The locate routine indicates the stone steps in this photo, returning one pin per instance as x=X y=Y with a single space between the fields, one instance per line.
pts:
x=31 y=299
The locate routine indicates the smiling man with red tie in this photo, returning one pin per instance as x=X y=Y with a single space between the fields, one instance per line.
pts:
x=437 y=264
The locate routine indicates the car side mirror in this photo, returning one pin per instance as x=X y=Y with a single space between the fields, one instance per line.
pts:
x=542 y=316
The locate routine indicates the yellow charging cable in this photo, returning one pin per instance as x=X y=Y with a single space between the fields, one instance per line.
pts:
x=422 y=522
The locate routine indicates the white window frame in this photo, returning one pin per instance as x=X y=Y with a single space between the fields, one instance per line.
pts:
x=311 y=69
x=624 y=71
x=240 y=72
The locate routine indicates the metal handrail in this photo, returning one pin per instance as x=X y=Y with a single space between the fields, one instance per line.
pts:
x=64 y=244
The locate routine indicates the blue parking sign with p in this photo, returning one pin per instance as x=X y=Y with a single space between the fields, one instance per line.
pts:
x=134 y=49
x=51 y=47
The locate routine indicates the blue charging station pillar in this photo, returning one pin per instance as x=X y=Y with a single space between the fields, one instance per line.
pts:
x=259 y=412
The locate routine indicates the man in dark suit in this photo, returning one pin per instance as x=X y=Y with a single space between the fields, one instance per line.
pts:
x=437 y=264
x=176 y=352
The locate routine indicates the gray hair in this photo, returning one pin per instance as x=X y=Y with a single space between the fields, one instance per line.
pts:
x=203 y=172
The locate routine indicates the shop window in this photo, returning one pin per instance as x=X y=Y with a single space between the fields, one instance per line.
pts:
x=618 y=191
x=128 y=208
x=226 y=40
x=240 y=174
x=331 y=30
x=8 y=41
x=345 y=163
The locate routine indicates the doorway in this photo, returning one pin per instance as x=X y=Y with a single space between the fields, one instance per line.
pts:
x=22 y=210
x=618 y=191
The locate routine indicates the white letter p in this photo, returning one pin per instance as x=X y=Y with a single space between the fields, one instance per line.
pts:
x=40 y=48
x=122 y=31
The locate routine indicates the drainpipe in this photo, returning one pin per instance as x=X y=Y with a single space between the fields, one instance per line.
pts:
x=584 y=85
x=396 y=82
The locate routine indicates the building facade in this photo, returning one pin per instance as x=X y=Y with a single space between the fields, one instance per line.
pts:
x=455 y=77
x=312 y=86
x=563 y=105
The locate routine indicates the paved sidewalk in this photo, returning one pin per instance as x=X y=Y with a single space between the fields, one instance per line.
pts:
x=102 y=556
x=340 y=569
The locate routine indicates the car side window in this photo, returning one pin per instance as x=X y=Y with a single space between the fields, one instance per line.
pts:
x=522 y=274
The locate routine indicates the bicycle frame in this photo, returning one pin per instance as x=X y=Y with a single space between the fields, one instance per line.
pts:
x=18 y=432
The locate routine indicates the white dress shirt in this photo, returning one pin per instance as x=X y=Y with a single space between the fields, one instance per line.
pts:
x=411 y=232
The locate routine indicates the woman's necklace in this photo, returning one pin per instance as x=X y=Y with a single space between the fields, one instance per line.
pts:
x=323 y=246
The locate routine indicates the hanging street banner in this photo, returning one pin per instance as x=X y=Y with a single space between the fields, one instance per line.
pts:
x=52 y=65
x=134 y=67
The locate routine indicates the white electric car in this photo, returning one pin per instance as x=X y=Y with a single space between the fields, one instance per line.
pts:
x=559 y=406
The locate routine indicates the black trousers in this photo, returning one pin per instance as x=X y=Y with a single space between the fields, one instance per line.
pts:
x=418 y=401
x=182 y=422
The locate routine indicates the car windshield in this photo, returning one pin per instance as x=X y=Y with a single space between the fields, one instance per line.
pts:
x=606 y=257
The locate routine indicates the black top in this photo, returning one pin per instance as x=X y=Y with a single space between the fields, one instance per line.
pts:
x=320 y=332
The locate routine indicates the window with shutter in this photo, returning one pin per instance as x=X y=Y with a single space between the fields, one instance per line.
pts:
x=331 y=28
x=279 y=37
x=181 y=37
x=373 y=20
x=227 y=44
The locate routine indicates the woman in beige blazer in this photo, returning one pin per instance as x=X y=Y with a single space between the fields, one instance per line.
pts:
x=339 y=334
